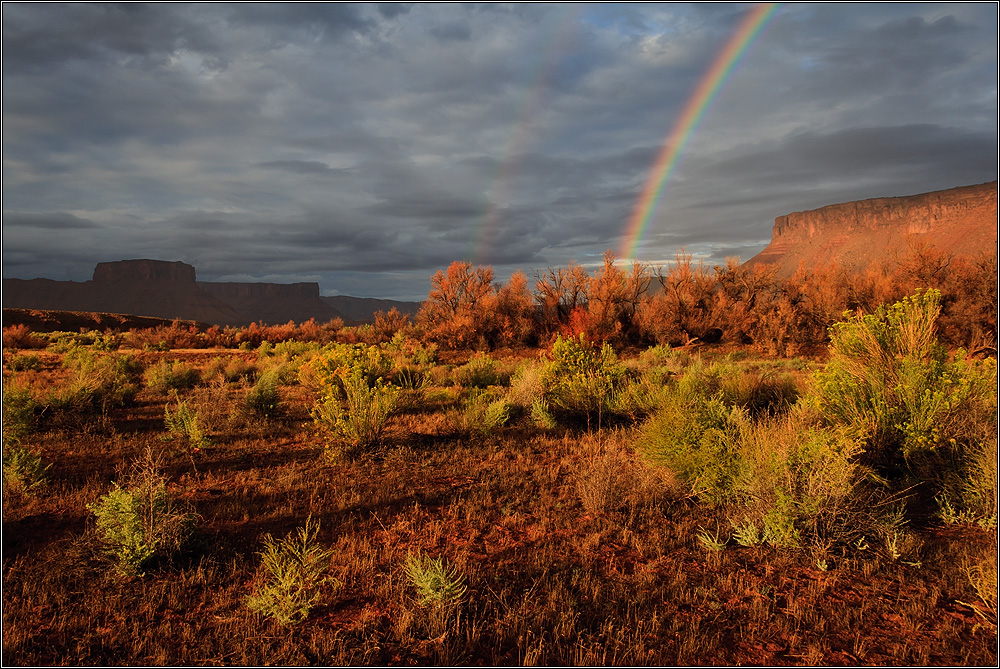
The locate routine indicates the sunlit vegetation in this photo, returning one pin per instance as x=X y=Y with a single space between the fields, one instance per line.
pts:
x=658 y=466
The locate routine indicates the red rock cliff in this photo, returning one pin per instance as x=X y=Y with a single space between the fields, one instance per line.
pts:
x=960 y=221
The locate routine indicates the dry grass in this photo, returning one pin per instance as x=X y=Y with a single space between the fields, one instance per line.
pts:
x=572 y=551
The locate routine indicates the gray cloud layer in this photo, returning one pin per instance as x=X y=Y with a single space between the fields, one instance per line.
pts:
x=367 y=146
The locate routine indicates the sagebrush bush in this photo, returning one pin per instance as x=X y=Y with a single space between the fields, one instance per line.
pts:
x=359 y=421
x=481 y=371
x=229 y=369
x=138 y=521
x=264 y=399
x=969 y=490
x=485 y=411
x=23 y=470
x=582 y=377
x=295 y=573
x=167 y=375
x=325 y=372
x=697 y=439
x=759 y=393
x=437 y=583
x=892 y=385
x=100 y=381
x=22 y=362
x=20 y=409
x=800 y=480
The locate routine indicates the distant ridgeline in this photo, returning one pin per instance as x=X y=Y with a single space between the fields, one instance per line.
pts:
x=164 y=289
x=856 y=235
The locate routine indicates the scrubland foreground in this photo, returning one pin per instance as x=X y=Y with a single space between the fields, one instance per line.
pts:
x=323 y=502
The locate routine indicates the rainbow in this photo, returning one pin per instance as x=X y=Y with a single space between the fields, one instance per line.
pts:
x=691 y=115
x=520 y=134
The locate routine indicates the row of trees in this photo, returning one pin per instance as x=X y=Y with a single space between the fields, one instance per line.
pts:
x=688 y=301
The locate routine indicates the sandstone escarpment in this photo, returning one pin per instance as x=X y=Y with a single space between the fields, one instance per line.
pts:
x=958 y=221
x=273 y=303
x=169 y=290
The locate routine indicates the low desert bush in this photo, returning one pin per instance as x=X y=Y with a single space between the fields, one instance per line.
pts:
x=183 y=421
x=484 y=412
x=969 y=494
x=137 y=520
x=795 y=479
x=20 y=411
x=295 y=574
x=436 y=582
x=228 y=369
x=22 y=362
x=21 y=337
x=23 y=470
x=697 y=439
x=759 y=393
x=360 y=419
x=167 y=375
x=482 y=371
x=99 y=381
x=264 y=399
x=891 y=384
x=582 y=378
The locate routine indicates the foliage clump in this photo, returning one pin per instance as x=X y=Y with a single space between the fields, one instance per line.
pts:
x=437 y=583
x=891 y=384
x=295 y=569
x=138 y=521
x=355 y=401
x=582 y=378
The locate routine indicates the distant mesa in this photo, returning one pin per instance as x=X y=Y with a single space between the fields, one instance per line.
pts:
x=856 y=235
x=169 y=290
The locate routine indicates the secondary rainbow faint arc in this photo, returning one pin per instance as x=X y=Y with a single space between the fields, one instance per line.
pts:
x=519 y=137
x=692 y=113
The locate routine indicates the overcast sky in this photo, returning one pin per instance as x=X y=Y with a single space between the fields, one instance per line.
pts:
x=367 y=146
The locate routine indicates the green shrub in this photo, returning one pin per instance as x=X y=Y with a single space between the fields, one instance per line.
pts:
x=263 y=400
x=969 y=495
x=581 y=378
x=170 y=375
x=892 y=385
x=480 y=372
x=99 y=381
x=361 y=422
x=23 y=362
x=697 y=439
x=484 y=412
x=295 y=569
x=541 y=415
x=20 y=410
x=138 y=521
x=228 y=369
x=759 y=393
x=182 y=421
x=327 y=370
x=23 y=470
x=801 y=479
x=436 y=582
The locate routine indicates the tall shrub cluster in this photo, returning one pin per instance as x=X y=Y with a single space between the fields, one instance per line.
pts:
x=889 y=413
x=355 y=399
x=688 y=301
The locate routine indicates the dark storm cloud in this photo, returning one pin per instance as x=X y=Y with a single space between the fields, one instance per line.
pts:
x=54 y=221
x=299 y=166
x=367 y=146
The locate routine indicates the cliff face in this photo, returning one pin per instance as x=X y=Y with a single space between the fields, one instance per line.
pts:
x=959 y=221
x=161 y=289
x=273 y=303
x=139 y=271
x=139 y=287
